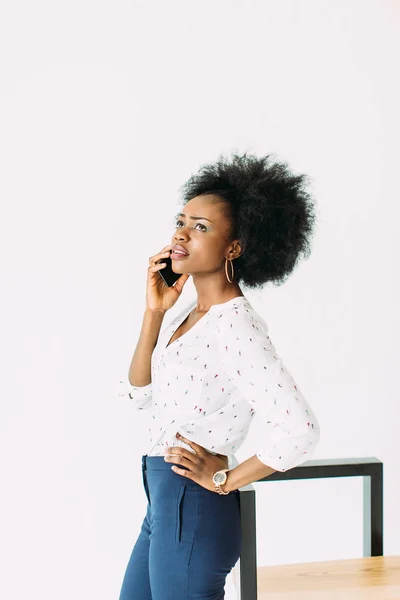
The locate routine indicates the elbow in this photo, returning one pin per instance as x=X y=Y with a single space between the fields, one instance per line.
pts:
x=307 y=444
x=309 y=439
x=138 y=385
x=284 y=452
x=314 y=433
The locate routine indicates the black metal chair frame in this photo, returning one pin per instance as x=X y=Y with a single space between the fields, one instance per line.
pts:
x=371 y=469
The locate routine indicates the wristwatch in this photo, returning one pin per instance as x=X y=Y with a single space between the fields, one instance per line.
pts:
x=219 y=478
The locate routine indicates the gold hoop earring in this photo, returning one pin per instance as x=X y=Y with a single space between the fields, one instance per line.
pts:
x=226 y=269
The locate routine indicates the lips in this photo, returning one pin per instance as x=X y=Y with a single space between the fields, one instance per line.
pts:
x=180 y=249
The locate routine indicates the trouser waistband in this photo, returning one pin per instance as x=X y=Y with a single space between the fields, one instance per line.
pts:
x=155 y=463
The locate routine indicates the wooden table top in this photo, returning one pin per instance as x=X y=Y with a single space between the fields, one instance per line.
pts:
x=372 y=578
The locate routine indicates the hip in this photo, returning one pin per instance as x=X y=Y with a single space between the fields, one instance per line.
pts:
x=194 y=512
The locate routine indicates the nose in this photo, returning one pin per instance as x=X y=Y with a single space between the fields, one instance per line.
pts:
x=180 y=234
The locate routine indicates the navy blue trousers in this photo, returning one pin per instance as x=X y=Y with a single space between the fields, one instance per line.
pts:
x=189 y=541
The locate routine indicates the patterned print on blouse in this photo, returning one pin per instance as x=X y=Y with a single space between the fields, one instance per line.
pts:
x=211 y=381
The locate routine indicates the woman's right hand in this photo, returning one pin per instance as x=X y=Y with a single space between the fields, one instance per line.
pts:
x=160 y=297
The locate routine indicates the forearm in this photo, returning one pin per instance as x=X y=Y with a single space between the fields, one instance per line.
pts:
x=246 y=472
x=140 y=367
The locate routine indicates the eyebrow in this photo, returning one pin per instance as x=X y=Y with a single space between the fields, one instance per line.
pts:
x=196 y=218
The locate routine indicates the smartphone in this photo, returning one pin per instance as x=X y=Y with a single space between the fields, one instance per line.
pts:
x=169 y=276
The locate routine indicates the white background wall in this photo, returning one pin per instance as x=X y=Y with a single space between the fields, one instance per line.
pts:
x=106 y=108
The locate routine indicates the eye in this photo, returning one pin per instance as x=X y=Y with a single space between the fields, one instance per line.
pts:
x=201 y=225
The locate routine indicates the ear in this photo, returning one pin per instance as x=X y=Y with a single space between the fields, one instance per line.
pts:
x=236 y=250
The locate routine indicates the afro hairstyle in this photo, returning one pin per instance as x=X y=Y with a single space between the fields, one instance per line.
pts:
x=271 y=212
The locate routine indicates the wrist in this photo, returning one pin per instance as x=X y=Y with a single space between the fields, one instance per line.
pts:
x=225 y=486
x=156 y=312
x=219 y=480
x=228 y=486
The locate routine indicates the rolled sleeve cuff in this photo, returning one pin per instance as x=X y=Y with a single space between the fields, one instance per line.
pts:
x=289 y=453
x=141 y=396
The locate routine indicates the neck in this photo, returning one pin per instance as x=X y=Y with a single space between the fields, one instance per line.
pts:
x=214 y=292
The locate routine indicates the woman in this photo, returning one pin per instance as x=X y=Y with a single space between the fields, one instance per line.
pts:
x=245 y=221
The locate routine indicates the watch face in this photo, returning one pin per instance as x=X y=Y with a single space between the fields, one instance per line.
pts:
x=219 y=478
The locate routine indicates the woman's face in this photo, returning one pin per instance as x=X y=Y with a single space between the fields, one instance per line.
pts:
x=202 y=229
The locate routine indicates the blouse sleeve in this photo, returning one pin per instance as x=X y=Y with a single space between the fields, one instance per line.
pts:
x=249 y=358
x=141 y=396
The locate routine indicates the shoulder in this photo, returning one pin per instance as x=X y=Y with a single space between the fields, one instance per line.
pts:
x=241 y=316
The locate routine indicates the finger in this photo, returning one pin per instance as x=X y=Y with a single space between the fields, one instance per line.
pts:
x=153 y=259
x=179 y=460
x=177 y=450
x=199 y=449
x=155 y=268
x=165 y=250
x=181 y=282
x=182 y=472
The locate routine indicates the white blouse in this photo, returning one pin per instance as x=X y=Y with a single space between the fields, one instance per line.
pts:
x=209 y=383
